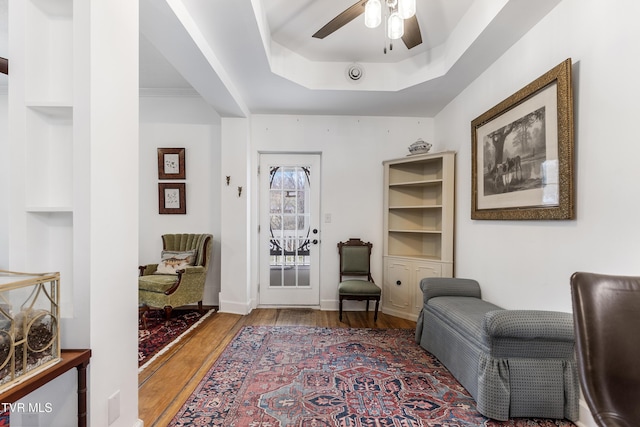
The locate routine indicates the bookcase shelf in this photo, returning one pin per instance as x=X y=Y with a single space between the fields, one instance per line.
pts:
x=49 y=209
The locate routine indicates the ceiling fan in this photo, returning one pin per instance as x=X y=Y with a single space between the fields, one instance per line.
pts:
x=4 y=66
x=411 y=37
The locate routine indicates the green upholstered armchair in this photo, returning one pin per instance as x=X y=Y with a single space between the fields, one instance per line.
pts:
x=356 y=282
x=160 y=288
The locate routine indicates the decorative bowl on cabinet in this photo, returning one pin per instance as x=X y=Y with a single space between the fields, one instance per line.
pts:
x=419 y=147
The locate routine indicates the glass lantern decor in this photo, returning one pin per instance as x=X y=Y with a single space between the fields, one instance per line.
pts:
x=29 y=332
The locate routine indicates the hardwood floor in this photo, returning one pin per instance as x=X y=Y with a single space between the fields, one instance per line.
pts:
x=165 y=385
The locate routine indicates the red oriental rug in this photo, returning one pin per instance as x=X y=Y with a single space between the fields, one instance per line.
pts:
x=321 y=377
x=160 y=335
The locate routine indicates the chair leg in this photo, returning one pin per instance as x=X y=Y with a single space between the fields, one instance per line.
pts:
x=142 y=311
x=200 y=310
x=375 y=316
x=167 y=312
x=367 y=305
x=341 y=309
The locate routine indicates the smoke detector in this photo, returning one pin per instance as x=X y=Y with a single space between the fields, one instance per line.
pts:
x=355 y=73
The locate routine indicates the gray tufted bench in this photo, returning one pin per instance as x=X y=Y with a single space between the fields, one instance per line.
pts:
x=515 y=363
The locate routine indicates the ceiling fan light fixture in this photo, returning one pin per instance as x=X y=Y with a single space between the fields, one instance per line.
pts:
x=372 y=13
x=395 y=26
x=406 y=8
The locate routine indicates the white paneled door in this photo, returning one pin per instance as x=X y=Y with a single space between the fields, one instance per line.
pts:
x=289 y=229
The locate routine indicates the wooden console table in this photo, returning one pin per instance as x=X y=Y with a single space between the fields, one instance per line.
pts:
x=69 y=359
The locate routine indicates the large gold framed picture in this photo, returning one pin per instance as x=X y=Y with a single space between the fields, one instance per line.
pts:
x=522 y=153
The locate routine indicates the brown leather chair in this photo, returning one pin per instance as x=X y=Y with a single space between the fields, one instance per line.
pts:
x=606 y=312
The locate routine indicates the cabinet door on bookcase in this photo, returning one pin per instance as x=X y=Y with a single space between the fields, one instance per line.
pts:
x=422 y=270
x=397 y=284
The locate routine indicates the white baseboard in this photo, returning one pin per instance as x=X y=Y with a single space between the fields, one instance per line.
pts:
x=329 y=305
x=234 y=307
x=334 y=305
x=138 y=423
x=400 y=314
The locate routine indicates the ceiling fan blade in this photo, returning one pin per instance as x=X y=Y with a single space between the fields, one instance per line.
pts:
x=341 y=20
x=412 y=36
x=4 y=66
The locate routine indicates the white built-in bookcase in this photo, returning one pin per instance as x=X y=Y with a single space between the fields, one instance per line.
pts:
x=418 y=228
x=48 y=144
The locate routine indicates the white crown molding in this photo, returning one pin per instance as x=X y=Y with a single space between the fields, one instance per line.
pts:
x=152 y=92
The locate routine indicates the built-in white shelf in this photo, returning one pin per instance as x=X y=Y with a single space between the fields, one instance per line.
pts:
x=49 y=209
x=416 y=183
x=59 y=110
x=416 y=207
x=408 y=230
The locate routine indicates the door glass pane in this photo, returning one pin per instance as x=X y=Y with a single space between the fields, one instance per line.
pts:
x=301 y=202
x=276 y=180
x=275 y=205
x=289 y=226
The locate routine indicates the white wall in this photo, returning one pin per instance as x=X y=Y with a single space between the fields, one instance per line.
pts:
x=235 y=208
x=528 y=264
x=176 y=122
x=106 y=119
x=352 y=150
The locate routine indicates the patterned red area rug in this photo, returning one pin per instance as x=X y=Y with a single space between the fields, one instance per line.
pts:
x=321 y=377
x=160 y=335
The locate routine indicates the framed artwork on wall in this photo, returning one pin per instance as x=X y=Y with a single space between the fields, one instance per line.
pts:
x=172 y=198
x=522 y=153
x=171 y=163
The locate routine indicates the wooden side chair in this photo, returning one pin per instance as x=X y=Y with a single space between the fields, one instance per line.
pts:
x=355 y=266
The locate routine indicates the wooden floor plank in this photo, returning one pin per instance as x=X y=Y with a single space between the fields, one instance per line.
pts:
x=175 y=374
x=168 y=382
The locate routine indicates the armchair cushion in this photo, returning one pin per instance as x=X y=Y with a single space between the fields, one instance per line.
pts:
x=156 y=283
x=175 y=260
x=358 y=287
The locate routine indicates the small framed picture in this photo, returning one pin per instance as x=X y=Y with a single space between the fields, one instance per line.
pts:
x=171 y=163
x=172 y=198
